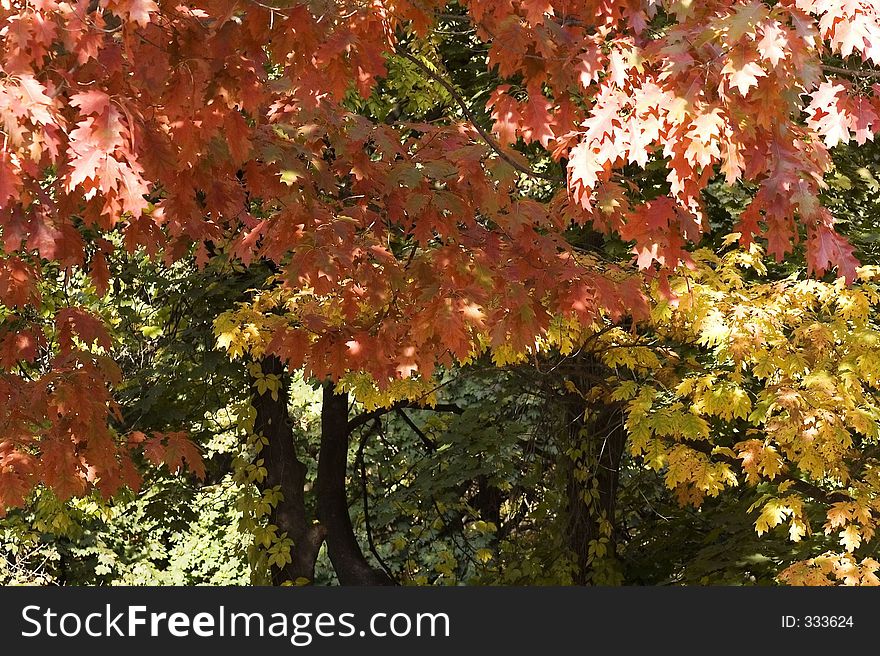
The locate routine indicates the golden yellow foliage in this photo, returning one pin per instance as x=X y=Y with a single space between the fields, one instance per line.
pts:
x=772 y=383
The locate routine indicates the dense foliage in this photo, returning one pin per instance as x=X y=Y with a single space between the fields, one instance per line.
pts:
x=417 y=292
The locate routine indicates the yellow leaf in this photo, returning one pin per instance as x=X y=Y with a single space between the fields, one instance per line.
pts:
x=850 y=538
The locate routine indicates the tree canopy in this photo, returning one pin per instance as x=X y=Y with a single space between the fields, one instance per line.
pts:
x=422 y=291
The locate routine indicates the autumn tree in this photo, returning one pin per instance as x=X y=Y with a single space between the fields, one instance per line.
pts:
x=397 y=238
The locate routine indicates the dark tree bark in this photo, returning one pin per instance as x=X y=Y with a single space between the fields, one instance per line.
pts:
x=345 y=553
x=487 y=501
x=602 y=437
x=284 y=469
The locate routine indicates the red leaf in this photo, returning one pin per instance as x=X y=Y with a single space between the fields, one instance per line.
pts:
x=89 y=328
x=16 y=475
x=237 y=136
x=44 y=236
x=290 y=345
x=136 y=11
x=536 y=9
x=864 y=120
x=173 y=450
x=826 y=249
x=100 y=273
x=93 y=102
x=505 y=115
x=180 y=449
x=17 y=284
x=10 y=181
x=536 y=119
x=20 y=346
x=827 y=113
x=60 y=468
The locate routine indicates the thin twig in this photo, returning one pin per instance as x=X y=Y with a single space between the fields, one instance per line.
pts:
x=365 y=417
x=427 y=441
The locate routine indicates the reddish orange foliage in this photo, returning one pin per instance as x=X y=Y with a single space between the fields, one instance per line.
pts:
x=159 y=119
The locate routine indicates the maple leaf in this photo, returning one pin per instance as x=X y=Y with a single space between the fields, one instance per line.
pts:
x=136 y=11
x=838 y=516
x=704 y=148
x=245 y=246
x=850 y=538
x=237 y=137
x=84 y=165
x=93 y=102
x=17 y=283
x=61 y=469
x=707 y=126
x=744 y=19
x=10 y=182
x=853 y=34
x=44 y=237
x=173 y=450
x=640 y=140
x=773 y=45
x=621 y=59
x=536 y=119
x=100 y=273
x=864 y=120
x=827 y=113
x=589 y=65
x=826 y=249
x=131 y=188
x=105 y=131
x=21 y=346
x=732 y=163
x=337 y=361
x=535 y=10
x=742 y=75
x=35 y=99
x=773 y=514
x=506 y=119
x=290 y=345
x=153 y=447
x=583 y=168
x=90 y=329
x=16 y=479
x=179 y=449
x=604 y=119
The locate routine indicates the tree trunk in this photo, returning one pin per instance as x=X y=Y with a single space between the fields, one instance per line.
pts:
x=286 y=471
x=601 y=439
x=345 y=553
x=487 y=501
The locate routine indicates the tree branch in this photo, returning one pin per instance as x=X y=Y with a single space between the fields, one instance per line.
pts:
x=846 y=71
x=427 y=441
x=362 y=467
x=490 y=141
x=361 y=419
